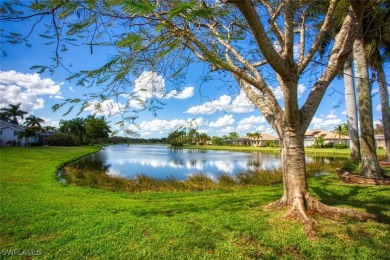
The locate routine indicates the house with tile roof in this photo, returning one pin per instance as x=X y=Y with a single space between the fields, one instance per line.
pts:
x=329 y=137
x=262 y=139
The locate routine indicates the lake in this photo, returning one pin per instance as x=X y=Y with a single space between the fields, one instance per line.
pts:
x=159 y=161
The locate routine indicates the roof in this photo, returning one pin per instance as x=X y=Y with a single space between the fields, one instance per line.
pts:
x=325 y=134
x=5 y=124
x=264 y=136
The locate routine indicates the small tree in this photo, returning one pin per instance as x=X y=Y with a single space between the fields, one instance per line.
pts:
x=27 y=134
x=319 y=142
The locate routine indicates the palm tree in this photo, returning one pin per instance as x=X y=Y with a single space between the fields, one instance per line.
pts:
x=27 y=134
x=34 y=122
x=75 y=126
x=13 y=112
x=49 y=128
x=370 y=164
x=341 y=130
x=204 y=138
x=351 y=111
x=377 y=48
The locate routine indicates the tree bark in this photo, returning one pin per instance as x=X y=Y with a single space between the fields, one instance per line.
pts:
x=351 y=109
x=370 y=168
x=384 y=99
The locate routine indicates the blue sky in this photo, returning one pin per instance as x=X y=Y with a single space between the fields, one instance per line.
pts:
x=210 y=106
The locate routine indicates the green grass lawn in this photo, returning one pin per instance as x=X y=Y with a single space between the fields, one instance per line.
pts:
x=38 y=214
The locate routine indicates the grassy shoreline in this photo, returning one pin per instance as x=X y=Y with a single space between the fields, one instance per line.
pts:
x=39 y=214
x=276 y=150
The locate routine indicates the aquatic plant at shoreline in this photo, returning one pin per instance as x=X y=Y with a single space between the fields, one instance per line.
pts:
x=194 y=182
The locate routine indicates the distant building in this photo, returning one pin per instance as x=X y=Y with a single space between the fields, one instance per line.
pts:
x=262 y=139
x=380 y=141
x=239 y=141
x=329 y=137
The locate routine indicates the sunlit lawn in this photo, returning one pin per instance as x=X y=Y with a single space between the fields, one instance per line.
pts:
x=58 y=221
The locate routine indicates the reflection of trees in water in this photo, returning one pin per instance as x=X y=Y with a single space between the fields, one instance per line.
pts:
x=193 y=163
x=182 y=151
x=179 y=162
x=254 y=163
x=89 y=163
x=324 y=159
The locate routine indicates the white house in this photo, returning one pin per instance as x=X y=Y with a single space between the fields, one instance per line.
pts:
x=9 y=134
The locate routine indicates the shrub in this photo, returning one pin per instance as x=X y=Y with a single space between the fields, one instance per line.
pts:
x=328 y=145
x=270 y=144
x=341 y=146
x=62 y=140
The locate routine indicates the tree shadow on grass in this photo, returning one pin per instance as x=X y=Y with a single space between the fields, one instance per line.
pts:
x=222 y=202
x=375 y=204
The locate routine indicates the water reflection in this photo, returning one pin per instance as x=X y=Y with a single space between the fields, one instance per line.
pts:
x=161 y=161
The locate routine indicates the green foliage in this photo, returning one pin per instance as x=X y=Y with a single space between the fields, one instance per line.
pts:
x=97 y=128
x=61 y=139
x=270 y=144
x=341 y=146
x=319 y=142
x=216 y=140
x=138 y=7
x=39 y=212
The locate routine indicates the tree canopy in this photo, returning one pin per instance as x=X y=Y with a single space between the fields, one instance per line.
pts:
x=257 y=43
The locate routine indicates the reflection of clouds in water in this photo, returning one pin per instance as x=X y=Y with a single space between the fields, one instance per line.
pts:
x=262 y=165
x=315 y=159
x=114 y=173
x=223 y=166
x=197 y=165
x=154 y=163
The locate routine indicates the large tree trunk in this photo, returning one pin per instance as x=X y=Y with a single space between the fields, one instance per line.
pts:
x=370 y=167
x=384 y=98
x=351 y=109
x=296 y=196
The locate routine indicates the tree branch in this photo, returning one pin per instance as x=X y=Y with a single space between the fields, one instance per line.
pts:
x=320 y=36
x=267 y=48
x=273 y=25
x=340 y=53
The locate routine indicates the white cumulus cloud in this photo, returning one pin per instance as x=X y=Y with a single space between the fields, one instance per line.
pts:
x=165 y=126
x=326 y=124
x=241 y=104
x=252 y=120
x=152 y=85
x=226 y=120
x=27 y=89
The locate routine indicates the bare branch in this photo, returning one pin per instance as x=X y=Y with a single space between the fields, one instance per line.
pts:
x=272 y=21
x=288 y=50
x=260 y=35
x=302 y=41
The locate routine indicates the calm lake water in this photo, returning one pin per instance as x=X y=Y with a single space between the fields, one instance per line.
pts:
x=160 y=161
